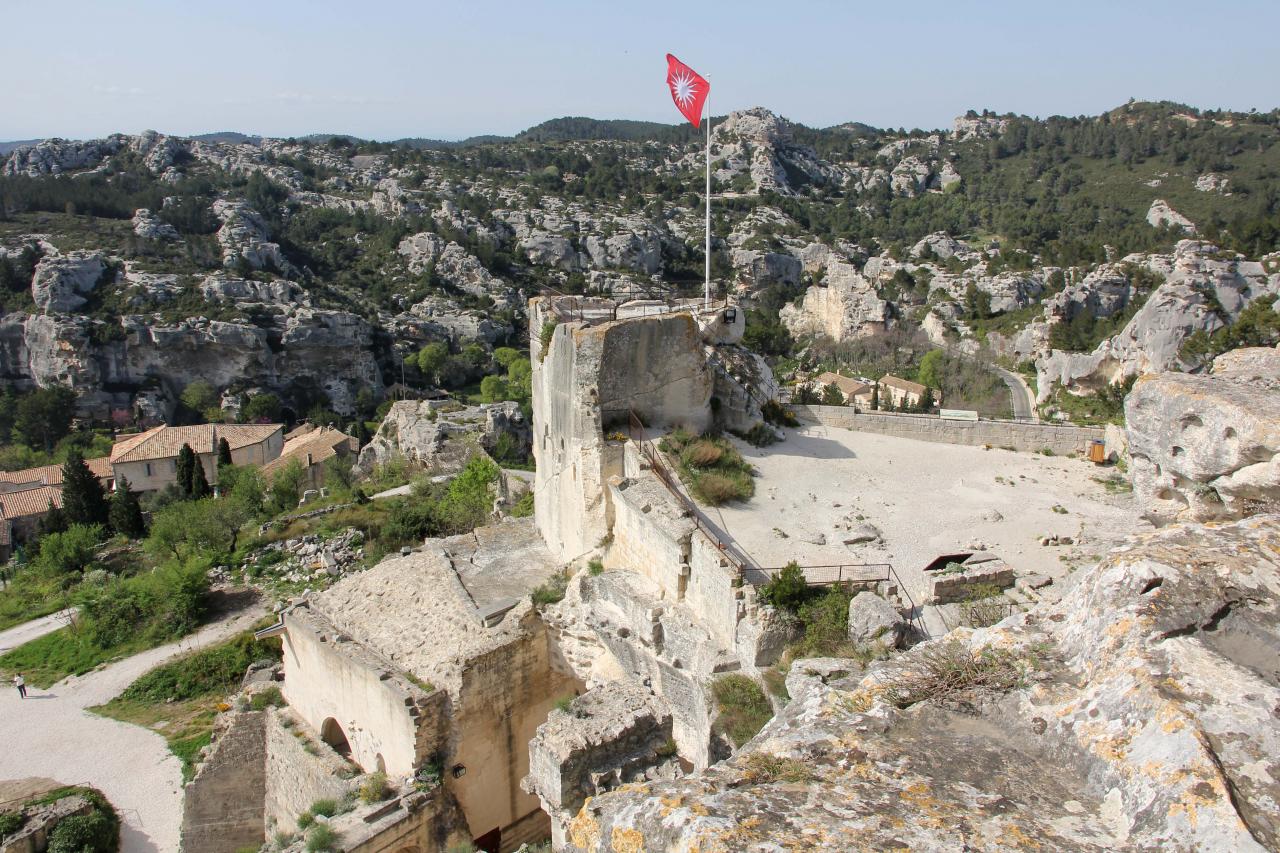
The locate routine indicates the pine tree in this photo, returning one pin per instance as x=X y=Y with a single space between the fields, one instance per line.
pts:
x=198 y=487
x=83 y=499
x=185 y=466
x=224 y=452
x=875 y=397
x=927 y=402
x=125 y=513
x=54 y=521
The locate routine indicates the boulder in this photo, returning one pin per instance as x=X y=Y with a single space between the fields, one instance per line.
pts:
x=245 y=239
x=441 y=435
x=151 y=227
x=872 y=619
x=1207 y=447
x=1161 y=215
x=61 y=283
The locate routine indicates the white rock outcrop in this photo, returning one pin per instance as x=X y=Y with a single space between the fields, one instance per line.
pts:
x=843 y=306
x=61 y=282
x=1161 y=215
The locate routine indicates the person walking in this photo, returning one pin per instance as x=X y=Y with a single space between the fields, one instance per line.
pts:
x=20 y=684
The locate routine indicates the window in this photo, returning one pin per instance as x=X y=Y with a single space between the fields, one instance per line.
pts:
x=148 y=469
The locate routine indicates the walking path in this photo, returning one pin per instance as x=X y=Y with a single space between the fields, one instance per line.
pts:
x=1024 y=402
x=51 y=734
x=33 y=630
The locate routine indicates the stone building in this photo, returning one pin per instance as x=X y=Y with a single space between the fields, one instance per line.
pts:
x=896 y=393
x=149 y=460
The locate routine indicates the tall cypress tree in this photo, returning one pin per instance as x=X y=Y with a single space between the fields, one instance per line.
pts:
x=126 y=513
x=224 y=452
x=83 y=499
x=186 y=464
x=199 y=485
x=54 y=521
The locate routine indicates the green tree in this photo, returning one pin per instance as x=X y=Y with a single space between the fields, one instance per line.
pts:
x=286 y=487
x=977 y=302
x=199 y=485
x=44 y=416
x=431 y=360
x=927 y=401
x=125 y=513
x=186 y=466
x=930 y=370
x=224 y=452
x=83 y=498
x=493 y=389
x=53 y=521
x=875 y=396
x=832 y=395
x=261 y=408
x=200 y=397
x=786 y=590
x=69 y=552
x=504 y=356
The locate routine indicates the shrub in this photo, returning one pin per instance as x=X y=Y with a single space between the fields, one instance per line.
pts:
x=786 y=590
x=11 y=822
x=764 y=767
x=552 y=591
x=595 y=567
x=374 y=788
x=523 y=508
x=716 y=489
x=321 y=838
x=949 y=673
x=743 y=707
x=984 y=605
x=213 y=670
x=325 y=807
x=776 y=413
x=269 y=698
x=760 y=435
x=306 y=819
x=825 y=622
x=701 y=454
x=545 y=334
x=95 y=832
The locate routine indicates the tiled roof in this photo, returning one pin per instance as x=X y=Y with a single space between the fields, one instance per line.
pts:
x=51 y=475
x=850 y=387
x=320 y=443
x=32 y=501
x=164 y=442
x=903 y=384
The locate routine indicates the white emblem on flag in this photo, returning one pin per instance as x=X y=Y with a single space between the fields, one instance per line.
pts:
x=683 y=88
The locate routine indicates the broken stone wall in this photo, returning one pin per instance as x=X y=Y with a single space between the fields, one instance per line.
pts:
x=650 y=534
x=506 y=694
x=714 y=590
x=223 y=804
x=295 y=777
x=584 y=383
x=1027 y=437
x=380 y=713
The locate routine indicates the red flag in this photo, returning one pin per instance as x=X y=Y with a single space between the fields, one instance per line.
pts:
x=688 y=89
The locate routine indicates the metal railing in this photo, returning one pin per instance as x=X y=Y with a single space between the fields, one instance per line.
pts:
x=570 y=308
x=851 y=573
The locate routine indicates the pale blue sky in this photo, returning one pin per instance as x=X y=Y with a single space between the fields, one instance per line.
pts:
x=448 y=70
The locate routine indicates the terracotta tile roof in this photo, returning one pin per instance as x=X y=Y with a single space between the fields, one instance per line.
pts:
x=32 y=501
x=164 y=442
x=903 y=384
x=51 y=475
x=321 y=443
x=850 y=387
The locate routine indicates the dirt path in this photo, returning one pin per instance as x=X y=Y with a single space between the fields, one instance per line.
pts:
x=33 y=630
x=50 y=734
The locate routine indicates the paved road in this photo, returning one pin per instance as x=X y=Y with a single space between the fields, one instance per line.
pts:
x=1024 y=402
x=36 y=628
x=51 y=734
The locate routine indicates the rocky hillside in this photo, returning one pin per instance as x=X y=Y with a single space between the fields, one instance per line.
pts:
x=133 y=266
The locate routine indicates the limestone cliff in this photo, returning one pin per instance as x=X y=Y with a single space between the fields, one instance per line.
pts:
x=1139 y=715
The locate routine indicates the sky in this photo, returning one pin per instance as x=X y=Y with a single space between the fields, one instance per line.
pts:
x=386 y=70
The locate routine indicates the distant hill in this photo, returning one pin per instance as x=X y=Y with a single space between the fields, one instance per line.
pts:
x=573 y=128
x=7 y=147
x=229 y=137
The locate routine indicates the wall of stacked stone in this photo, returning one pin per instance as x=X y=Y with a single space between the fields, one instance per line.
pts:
x=296 y=777
x=222 y=805
x=1028 y=437
x=650 y=533
x=713 y=589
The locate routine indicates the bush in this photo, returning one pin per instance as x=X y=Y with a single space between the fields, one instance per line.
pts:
x=716 y=489
x=95 y=832
x=764 y=767
x=321 y=838
x=268 y=698
x=523 y=508
x=552 y=591
x=825 y=626
x=326 y=807
x=744 y=709
x=545 y=334
x=701 y=454
x=949 y=673
x=306 y=819
x=776 y=413
x=595 y=567
x=215 y=670
x=11 y=822
x=374 y=788
x=786 y=590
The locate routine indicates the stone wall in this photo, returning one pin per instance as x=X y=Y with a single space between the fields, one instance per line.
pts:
x=714 y=590
x=584 y=383
x=506 y=693
x=296 y=778
x=222 y=805
x=1028 y=437
x=382 y=716
x=650 y=534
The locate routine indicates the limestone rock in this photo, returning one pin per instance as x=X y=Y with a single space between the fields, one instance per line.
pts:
x=872 y=619
x=1207 y=447
x=1258 y=367
x=1161 y=215
x=551 y=250
x=1152 y=684
x=846 y=305
x=762 y=269
x=981 y=127
x=61 y=283
x=941 y=244
x=910 y=177
x=1211 y=182
x=55 y=156
x=244 y=235
x=150 y=227
x=237 y=291
x=428 y=433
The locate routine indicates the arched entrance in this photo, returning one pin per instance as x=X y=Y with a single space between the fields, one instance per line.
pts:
x=331 y=733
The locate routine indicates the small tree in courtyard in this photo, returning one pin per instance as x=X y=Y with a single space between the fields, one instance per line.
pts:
x=125 y=512
x=185 y=467
x=832 y=395
x=83 y=499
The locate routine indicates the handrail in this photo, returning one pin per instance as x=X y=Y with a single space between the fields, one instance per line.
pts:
x=923 y=415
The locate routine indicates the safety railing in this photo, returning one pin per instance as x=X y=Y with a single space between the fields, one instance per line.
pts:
x=850 y=573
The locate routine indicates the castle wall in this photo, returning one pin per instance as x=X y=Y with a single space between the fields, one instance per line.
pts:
x=222 y=805
x=332 y=678
x=1027 y=437
x=296 y=778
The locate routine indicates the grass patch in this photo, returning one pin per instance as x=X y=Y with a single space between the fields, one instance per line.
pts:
x=711 y=467
x=374 y=788
x=744 y=709
x=47 y=660
x=320 y=839
x=523 y=508
x=178 y=700
x=761 y=768
x=552 y=590
x=948 y=673
x=985 y=605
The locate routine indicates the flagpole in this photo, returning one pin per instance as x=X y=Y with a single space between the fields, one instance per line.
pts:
x=706 y=288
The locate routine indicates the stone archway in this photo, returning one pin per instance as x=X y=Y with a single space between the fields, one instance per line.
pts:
x=331 y=733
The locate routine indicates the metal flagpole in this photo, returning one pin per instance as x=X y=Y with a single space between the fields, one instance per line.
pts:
x=706 y=289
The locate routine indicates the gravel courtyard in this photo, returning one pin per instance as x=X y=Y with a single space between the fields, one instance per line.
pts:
x=927 y=499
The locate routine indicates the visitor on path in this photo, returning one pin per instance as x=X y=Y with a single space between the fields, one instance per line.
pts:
x=20 y=684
